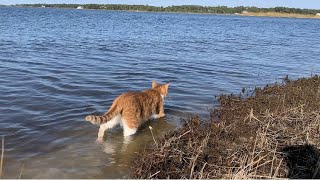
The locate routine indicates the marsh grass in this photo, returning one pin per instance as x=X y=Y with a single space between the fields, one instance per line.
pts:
x=273 y=133
x=276 y=14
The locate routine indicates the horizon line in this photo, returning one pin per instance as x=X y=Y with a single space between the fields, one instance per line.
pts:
x=156 y=6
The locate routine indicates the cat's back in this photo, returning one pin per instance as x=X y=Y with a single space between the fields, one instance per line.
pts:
x=139 y=97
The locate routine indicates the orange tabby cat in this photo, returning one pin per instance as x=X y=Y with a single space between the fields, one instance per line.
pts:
x=132 y=109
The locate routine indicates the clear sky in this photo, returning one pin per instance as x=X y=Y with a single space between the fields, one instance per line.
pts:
x=311 y=4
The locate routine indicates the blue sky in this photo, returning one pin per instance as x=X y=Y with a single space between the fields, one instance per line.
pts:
x=311 y=4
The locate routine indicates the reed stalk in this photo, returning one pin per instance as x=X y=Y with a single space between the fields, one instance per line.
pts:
x=2 y=156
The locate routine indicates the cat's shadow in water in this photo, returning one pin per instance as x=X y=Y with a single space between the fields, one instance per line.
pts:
x=303 y=161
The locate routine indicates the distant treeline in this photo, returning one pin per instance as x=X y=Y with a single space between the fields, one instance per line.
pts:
x=184 y=8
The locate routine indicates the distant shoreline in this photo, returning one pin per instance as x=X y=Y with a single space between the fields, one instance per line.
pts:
x=283 y=15
x=220 y=10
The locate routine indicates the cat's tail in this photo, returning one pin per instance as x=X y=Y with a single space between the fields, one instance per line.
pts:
x=104 y=118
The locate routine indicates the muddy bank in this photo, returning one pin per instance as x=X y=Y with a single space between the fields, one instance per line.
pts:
x=270 y=132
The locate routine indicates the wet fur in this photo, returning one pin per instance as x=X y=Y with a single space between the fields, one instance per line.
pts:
x=132 y=109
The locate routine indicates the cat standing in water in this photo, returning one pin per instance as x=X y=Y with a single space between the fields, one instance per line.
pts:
x=132 y=109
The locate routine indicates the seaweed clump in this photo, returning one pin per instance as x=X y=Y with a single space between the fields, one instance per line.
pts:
x=273 y=133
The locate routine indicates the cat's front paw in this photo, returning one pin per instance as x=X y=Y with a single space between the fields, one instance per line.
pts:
x=99 y=140
x=161 y=115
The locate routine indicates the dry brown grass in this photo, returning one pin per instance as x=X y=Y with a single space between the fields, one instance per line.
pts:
x=275 y=14
x=266 y=158
x=272 y=134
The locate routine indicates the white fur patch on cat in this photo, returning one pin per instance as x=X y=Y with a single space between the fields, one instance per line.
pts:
x=108 y=125
x=128 y=131
x=154 y=116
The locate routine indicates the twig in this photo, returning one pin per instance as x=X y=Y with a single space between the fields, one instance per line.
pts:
x=252 y=163
x=21 y=171
x=277 y=169
x=201 y=171
x=2 y=156
x=273 y=158
x=200 y=150
x=194 y=164
x=183 y=134
x=153 y=175
x=153 y=136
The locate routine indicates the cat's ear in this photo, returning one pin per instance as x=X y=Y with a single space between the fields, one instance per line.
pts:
x=167 y=85
x=154 y=84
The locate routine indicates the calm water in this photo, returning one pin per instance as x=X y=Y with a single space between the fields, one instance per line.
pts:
x=58 y=65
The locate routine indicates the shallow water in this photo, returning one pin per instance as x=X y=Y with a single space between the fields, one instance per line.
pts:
x=58 y=65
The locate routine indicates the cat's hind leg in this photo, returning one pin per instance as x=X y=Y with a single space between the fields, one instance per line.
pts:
x=108 y=125
x=127 y=131
x=102 y=129
x=129 y=127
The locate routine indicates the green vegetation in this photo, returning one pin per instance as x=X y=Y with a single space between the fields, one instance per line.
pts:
x=185 y=8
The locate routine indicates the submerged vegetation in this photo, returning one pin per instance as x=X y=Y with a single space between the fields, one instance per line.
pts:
x=272 y=133
x=184 y=8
